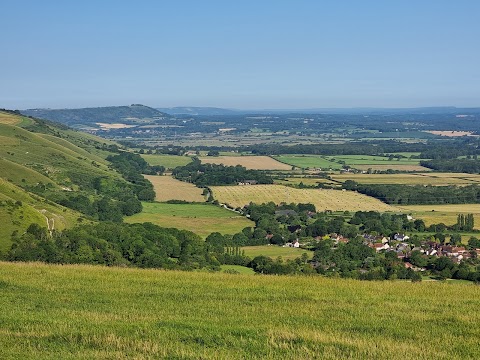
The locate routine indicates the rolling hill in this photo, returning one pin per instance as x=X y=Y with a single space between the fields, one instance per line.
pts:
x=133 y=114
x=42 y=163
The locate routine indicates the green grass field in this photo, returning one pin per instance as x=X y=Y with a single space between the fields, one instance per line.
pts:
x=273 y=251
x=87 y=312
x=202 y=219
x=237 y=268
x=169 y=161
x=308 y=161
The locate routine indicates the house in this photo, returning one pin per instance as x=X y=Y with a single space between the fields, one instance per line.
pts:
x=400 y=237
x=296 y=244
x=379 y=246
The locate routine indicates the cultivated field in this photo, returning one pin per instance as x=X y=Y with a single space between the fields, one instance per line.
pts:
x=439 y=179
x=447 y=214
x=202 y=219
x=169 y=161
x=323 y=199
x=311 y=181
x=450 y=133
x=167 y=188
x=274 y=252
x=393 y=167
x=250 y=162
x=88 y=312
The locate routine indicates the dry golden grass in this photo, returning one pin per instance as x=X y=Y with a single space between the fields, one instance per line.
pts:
x=323 y=199
x=438 y=179
x=106 y=126
x=167 y=188
x=393 y=167
x=450 y=133
x=446 y=214
x=250 y=162
x=9 y=119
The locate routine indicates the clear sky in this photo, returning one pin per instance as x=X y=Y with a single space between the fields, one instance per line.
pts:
x=240 y=54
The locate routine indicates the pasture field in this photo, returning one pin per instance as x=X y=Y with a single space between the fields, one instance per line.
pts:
x=308 y=161
x=249 y=162
x=88 y=312
x=238 y=268
x=169 y=161
x=323 y=199
x=274 y=251
x=202 y=219
x=447 y=214
x=439 y=179
x=167 y=188
x=353 y=160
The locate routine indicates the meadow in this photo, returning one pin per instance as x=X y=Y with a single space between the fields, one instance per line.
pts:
x=323 y=199
x=88 y=312
x=274 y=251
x=167 y=188
x=447 y=214
x=202 y=219
x=249 y=162
x=308 y=161
x=168 y=161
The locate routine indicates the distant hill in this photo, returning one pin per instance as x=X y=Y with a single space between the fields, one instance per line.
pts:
x=134 y=114
x=194 y=110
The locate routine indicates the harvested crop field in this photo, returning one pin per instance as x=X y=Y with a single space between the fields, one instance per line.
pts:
x=393 y=167
x=451 y=133
x=323 y=199
x=438 y=179
x=447 y=214
x=249 y=162
x=167 y=188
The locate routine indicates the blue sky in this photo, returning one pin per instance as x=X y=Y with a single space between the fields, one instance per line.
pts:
x=240 y=54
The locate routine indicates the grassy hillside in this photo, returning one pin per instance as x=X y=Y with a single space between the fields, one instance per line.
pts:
x=18 y=209
x=46 y=159
x=73 y=312
x=109 y=114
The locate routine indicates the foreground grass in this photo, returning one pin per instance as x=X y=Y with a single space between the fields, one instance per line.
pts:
x=85 y=312
x=202 y=219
